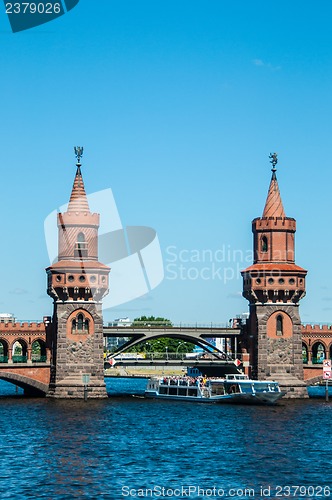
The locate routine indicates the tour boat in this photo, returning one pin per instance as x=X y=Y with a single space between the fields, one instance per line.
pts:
x=235 y=388
x=319 y=390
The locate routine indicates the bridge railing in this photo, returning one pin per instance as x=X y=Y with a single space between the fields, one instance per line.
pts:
x=159 y=324
x=23 y=359
x=180 y=356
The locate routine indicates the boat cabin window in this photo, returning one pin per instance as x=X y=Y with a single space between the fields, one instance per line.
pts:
x=217 y=389
x=233 y=389
x=266 y=387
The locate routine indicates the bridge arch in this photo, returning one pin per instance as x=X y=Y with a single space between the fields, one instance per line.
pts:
x=31 y=387
x=3 y=350
x=145 y=336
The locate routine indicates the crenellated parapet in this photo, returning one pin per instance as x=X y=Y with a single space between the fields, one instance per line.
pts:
x=284 y=223
x=313 y=334
x=308 y=328
x=19 y=327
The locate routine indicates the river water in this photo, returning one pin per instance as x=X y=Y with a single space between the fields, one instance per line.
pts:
x=130 y=447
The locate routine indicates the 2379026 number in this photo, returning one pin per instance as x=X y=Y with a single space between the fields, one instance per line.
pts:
x=32 y=8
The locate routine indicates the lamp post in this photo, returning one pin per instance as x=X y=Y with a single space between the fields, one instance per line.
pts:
x=148 y=346
x=177 y=349
x=166 y=348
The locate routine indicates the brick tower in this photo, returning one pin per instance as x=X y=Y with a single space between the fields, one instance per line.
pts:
x=77 y=282
x=274 y=285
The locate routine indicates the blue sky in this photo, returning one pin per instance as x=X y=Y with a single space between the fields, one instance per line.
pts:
x=178 y=105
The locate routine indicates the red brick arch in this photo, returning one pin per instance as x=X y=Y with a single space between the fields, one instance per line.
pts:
x=80 y=336
x=287 y=325
x=34 y=381
x=24 y=343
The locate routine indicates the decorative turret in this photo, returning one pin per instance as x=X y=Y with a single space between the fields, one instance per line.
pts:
x=274 y=276
x=77 y=282
x=78 y=275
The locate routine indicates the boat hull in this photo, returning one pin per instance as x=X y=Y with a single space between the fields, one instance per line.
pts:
x=246 y=399
x=319 y=391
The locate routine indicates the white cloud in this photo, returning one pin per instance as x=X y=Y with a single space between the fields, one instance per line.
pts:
x=261 y=63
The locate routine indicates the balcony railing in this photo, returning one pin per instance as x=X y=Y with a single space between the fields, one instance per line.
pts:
x=38 y=359
x=317 y=361
x=19 y=359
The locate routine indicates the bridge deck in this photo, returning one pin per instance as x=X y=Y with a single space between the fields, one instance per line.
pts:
x=116 y=331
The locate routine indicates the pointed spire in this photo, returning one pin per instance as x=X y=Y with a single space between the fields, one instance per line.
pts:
x=273 y=206
x=78 y=200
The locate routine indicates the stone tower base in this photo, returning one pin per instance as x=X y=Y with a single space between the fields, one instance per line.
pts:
x=73 y=388
x=294 y=388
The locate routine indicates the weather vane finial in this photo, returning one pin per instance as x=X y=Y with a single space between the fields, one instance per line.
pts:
x=274 y=160
x=78 y=153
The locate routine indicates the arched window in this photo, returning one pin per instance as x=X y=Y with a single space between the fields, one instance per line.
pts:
x=318 y=353
x=19 y=352
x=279 y=325
x=80 y=324
x=38 y=354
x=3 y=351
x=264 y=244
x=304 y=353
x=81 y=247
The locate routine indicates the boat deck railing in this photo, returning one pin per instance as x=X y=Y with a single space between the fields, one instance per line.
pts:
x=179 y=382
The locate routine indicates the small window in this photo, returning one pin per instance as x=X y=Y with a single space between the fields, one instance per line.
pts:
x=80 y=324
x=80 y=320
x=264 y=244
x=279 y=325
x=81 y=247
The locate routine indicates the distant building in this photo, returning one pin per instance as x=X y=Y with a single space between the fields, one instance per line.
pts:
x=121 y=322
x=7 y=317
x=113 y=343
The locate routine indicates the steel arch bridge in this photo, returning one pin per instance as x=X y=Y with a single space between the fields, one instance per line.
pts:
x=197 y=334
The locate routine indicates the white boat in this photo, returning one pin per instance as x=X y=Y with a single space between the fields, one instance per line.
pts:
x=233 y=388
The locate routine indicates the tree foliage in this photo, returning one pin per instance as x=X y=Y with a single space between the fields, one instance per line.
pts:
x=152 y=321
x=160 y=344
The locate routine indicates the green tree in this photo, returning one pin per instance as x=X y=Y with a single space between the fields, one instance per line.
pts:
x=151 y=321
x=160 y=344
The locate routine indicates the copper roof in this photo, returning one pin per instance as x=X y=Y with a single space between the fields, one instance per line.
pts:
x=273 y=206
x=78 y=200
